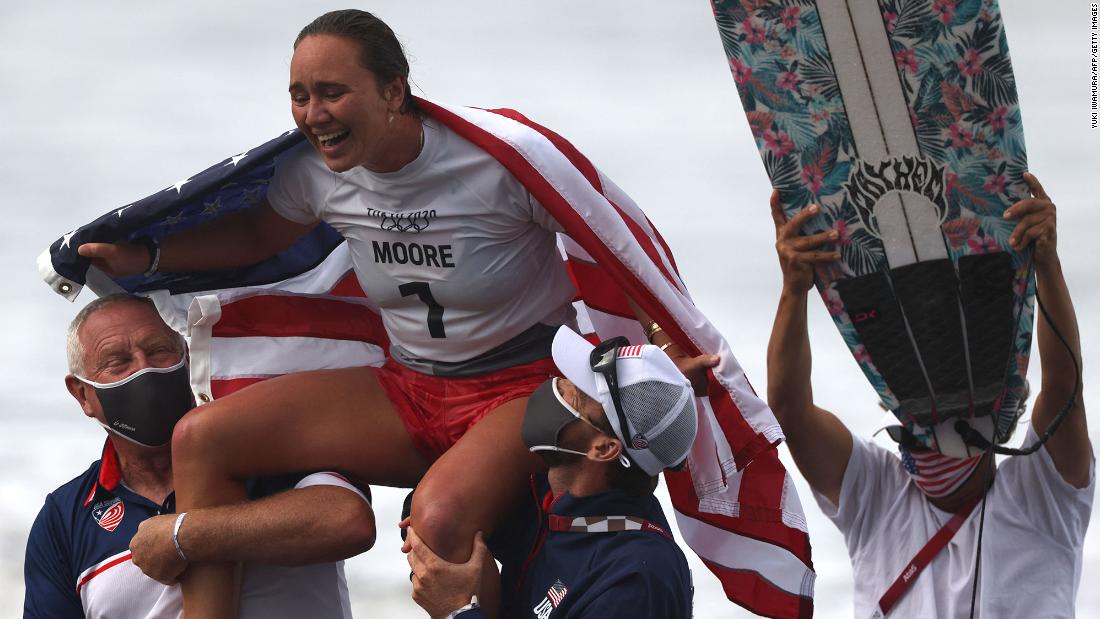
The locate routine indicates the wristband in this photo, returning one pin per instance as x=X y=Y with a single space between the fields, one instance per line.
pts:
x=176 y=535
x=664 y=346
x=153 y=246
x=458 y=611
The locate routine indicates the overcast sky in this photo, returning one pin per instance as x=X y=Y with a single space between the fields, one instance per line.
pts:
x=107 y=102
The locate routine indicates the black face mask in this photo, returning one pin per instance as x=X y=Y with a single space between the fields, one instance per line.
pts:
x=546 y=416
x=145 y=406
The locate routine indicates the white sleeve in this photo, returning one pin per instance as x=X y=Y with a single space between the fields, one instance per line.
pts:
x=541 y=216
x=873 y=481
x=292 y=192
x=328 y=478
x=1053 y=506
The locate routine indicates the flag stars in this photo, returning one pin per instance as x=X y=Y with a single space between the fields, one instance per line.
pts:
x=65 y=240
x=235 y=159
x=179 y=184
x=212 y=208
x=173 y=220
x=252 y=196
x=122 y=210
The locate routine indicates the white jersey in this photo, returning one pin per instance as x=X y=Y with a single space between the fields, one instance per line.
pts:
x=455 y=252
x=1035 y=526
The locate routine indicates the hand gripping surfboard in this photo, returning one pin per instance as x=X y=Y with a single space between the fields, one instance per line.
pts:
x=900 y=119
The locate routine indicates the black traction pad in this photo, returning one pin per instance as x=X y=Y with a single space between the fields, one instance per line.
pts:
x=931 y=300
x=988 y=299
x=928 y=293
x=877 y=317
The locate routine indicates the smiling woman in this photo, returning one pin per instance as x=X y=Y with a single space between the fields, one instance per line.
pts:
x=350 y=94
x=462 y=262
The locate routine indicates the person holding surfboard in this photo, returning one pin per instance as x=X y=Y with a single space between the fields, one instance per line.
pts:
x=463 y=263
x=931 y=535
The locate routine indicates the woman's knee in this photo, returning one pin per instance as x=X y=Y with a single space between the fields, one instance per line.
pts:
x=441 y=519
x=196 y=436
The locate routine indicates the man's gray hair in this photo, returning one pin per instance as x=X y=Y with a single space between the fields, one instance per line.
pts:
x=74 y=350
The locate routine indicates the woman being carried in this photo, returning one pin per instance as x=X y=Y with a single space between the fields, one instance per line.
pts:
x=463 y=265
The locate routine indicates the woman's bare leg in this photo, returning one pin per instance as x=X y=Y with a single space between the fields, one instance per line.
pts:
x=474 y=486
x=323 y=420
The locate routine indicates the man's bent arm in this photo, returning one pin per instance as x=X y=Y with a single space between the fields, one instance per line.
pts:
x=316 y=524
x=1069 y=446
x=1036 y=227
x=313 y=524
x=819 y=442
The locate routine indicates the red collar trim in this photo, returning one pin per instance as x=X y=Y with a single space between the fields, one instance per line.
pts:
x=548 y=501
x=110 y=472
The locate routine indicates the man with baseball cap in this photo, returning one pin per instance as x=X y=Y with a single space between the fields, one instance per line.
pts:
x=592 y=539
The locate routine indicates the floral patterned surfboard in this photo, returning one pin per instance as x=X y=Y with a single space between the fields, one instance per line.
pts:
x=900 y=118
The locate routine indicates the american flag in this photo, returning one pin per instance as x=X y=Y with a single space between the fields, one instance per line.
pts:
x=936 y=474
x=736 y=506
x=557 y=592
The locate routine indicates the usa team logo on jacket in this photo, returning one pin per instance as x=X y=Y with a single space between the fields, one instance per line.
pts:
x=554 y=596
x=108 y=514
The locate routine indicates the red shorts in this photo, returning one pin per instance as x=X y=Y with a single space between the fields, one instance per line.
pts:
x=437 y=410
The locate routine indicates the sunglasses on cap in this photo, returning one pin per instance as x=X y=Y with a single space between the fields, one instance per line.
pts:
x=602 y=361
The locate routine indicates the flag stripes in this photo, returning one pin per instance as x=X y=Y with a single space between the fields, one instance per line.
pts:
x=600 y=231
x=936 y=474
x=246 y=329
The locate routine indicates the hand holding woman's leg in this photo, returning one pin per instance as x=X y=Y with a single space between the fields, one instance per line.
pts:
x=335 y=420
x=474 y=486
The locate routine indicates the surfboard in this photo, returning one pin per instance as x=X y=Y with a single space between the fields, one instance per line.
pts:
x=900 y=119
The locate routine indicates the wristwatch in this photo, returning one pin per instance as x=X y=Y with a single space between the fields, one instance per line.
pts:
x=458 y=611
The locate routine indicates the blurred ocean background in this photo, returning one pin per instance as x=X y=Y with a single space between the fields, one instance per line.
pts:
x=109 y=101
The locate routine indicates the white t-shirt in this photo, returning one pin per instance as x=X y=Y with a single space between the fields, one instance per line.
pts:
x=1035 y=525
x=453 y=230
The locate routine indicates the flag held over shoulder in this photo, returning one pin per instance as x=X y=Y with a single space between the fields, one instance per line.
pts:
x=735 y=504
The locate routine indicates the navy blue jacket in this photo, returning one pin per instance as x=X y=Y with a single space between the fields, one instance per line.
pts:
x=79 y=546
x=83 y=529
x=560 y=560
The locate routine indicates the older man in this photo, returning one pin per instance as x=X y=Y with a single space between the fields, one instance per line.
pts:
x=899 y=516
x=592 y=541
x=128 y=372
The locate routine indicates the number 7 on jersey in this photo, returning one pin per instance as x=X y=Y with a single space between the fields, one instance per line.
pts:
x=435 y=310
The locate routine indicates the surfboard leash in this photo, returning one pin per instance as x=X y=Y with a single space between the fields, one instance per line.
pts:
x=975 y=438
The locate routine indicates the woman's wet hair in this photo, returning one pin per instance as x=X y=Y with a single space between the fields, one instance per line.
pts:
x=381 y=52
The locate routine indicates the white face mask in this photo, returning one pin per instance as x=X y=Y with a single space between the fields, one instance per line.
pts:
x=145 y=406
